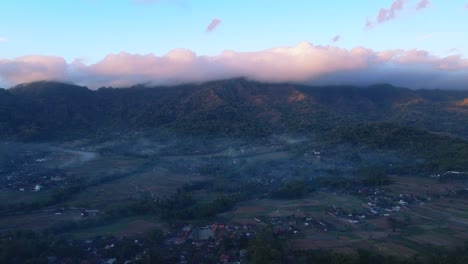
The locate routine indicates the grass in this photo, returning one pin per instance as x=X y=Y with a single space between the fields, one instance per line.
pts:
x=106 y=165
x=155 y=181
x=37 y=220
x=413 y=230
x=444 y=230
x=124 y=227
x=16 y=197
x=352 y=236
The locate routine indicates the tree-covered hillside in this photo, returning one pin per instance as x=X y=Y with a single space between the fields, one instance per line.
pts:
x=50 y=110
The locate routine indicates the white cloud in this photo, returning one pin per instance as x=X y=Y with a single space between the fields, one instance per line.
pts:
x=32 y=68
x=303 y=63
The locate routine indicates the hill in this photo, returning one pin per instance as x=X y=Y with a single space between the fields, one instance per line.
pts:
x=237 y=107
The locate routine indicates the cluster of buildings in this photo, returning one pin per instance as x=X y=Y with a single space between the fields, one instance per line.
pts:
x=223 y=243
x=25 y=174
x=380 y=203
x=293 y=226
x=450 y=175
x=227 y=243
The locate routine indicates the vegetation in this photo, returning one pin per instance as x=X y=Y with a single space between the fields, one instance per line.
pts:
x=266 y=247
x=374 y=176
x=229 y=134
x=292 y=190
x=50 y=110
x=30 y=247
x=439 y=153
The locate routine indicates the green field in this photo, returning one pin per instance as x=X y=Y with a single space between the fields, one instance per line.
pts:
x=125 y=227
x=119 y=175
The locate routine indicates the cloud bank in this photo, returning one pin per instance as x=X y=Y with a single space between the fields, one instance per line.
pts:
x=303 y=63
x=391 y=13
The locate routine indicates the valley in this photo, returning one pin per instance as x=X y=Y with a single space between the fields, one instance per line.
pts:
x=210 y=173
x=316 y=195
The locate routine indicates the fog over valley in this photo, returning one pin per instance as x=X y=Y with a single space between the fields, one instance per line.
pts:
x=229 y=132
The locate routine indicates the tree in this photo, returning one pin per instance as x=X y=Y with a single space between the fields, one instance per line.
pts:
x=266 y=247
x=393 y=223
x=374 y=176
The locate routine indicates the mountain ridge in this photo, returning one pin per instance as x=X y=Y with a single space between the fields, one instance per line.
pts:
x=235 y=107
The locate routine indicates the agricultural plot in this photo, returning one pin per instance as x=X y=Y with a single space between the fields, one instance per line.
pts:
x=39 y=220
x=329 y=217
x=155 y=182
x=125 y=227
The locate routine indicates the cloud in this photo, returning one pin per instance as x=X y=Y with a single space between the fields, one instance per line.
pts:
x=213 y=25
x=33 y=68
x=369 y=24
x=336 y=38
x=2 y=40
x=398 y=6
x=389 y=14
x=303 y=63
x=453 y=50
x=423 y=4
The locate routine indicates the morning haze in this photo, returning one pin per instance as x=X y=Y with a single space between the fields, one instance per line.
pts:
x=233 y=132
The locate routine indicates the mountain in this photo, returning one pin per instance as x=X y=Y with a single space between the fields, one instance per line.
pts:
x=434 y=110
x=237 y=107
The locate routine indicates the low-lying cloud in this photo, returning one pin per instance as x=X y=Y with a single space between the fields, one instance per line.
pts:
x=303 y=63
x=33 y=68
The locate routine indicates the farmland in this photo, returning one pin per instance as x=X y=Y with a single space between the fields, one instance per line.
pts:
x=314 y=195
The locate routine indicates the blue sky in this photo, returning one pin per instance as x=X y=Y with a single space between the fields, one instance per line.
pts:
x=89 y=30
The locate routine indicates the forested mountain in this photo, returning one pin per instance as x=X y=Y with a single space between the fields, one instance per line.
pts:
x=237 y=107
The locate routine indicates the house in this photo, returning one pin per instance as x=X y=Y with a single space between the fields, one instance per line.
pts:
x=202 y=233
x=84 y=214
x=225 y=258
x=187 y=228
x=111 y=261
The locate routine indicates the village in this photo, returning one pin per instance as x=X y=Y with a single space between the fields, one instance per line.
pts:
x=227 y=242
x=221 y=237
x=25 y=172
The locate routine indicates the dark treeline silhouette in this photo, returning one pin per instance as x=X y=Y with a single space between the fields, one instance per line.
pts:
x=51 y=110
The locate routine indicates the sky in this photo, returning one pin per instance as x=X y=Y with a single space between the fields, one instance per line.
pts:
x=412 y=43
